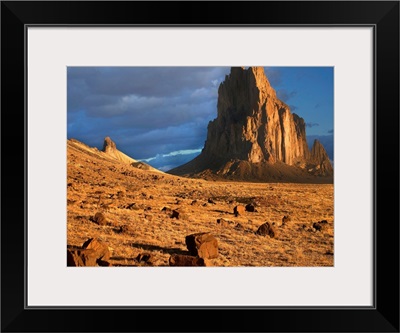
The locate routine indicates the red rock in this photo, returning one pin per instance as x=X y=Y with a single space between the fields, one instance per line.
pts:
x=166 y=210
x=185 y=260
x=239 y=210
x=203 y=245
x=143 y=257
x=81 y=257
x=175 y=214
x=223 y=222
x=250 y=208
x=266 y=229
x=100 y=248
x=100 y=219
x=254 y=129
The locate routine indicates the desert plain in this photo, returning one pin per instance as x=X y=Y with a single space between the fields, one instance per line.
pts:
x=139 y=228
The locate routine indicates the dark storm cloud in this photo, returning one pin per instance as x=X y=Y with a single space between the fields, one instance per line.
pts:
x=163 y=140
x=312 y=124
x=142 y=81
x=142 y=142
x=160 y=108
x=158 y=113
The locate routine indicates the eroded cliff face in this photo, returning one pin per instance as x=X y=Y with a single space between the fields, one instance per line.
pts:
x=319 y=159
x=254 y=126
x=110 y=148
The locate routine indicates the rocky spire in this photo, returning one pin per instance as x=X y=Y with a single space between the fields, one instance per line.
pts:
x=109 y=145
x=252 y=123
x=257 y=129
x=320 y=158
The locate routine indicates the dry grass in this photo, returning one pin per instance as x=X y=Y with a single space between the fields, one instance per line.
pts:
x=133 y=199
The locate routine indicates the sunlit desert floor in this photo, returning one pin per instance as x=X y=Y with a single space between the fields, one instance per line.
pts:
x=132 y=201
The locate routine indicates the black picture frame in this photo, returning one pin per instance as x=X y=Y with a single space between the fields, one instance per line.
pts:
x=383 y=316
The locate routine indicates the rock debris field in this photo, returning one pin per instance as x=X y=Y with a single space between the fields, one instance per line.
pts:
x=119 y=215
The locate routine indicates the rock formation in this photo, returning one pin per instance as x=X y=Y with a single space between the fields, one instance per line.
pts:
x=256 y=137
x=320 y=159
x=110 y=148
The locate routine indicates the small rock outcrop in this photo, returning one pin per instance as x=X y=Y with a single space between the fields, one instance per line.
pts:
x=110 y=148
x=266 y=229
x=223 y=222
x=239 y=210
x=78 y=257
x=100 y=248
x=203 y=245
x=186 y=260
x=143 y=257
x=92 y=253
x=321 y=165
x=250 y=208
x=99 y=218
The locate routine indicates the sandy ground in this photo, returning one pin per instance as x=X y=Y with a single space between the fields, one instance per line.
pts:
x=132 y=201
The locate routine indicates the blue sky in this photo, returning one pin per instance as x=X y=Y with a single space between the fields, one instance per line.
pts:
x=160 y=114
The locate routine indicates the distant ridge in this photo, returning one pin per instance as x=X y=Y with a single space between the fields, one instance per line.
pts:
x=111 y=152
x=255 y=137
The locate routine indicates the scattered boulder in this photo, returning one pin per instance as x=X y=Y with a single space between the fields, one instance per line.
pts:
x=185 y=260
x=175 y=214
x=81 y=257
x=178 y=214
x=239 y=227
x=122 y=229
x=203 y=245
x=167 y=210
x=317 y=226
x=250 y=208
x=194 y=202
x=211 y=201
x=266 y=229
x=223 y=222
x=99 y=218
x=145 y=257
x=100 y=248
x=286 y=218
x=239 y=210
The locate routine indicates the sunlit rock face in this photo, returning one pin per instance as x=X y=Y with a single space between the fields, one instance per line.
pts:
x=253 y=124
x=255 y=127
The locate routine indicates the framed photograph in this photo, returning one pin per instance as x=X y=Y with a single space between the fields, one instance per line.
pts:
x=229 y=167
